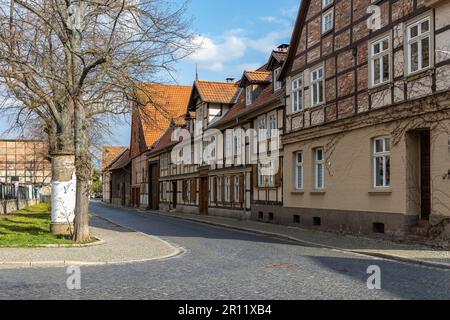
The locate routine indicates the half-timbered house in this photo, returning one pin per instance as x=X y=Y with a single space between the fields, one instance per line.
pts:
x=157 y=106
x=366 y=148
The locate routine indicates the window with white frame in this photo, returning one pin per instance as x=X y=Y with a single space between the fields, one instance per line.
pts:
x=262 y=128
x=219 y=188
x=382 y=162
x=236 y=144
x=276 y=84
x=228 y=143
x=248 y=95
x=419 y=45
x=227 y=189
x=317 y=86
x=261 y=176
x=236 y=189
x=272 y=120
x=299 y=170
x=297 y=95
x=319 y=168
x=326 y=3
x=266 y=174
x=328 y=21
x=380 y=61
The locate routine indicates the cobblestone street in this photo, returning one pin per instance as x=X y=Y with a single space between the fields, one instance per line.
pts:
x=226 y=264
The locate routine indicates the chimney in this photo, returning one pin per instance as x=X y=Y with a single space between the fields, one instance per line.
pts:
x=283 y=47
x=230 y=80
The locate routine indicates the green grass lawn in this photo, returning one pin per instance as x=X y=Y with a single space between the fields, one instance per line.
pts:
x=29 y=227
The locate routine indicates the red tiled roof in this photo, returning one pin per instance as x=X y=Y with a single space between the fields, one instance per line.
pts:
x=240 y=109
x=122 y=161
x=280 y=55
x=218 y=92
x=164 y=104
x=258 y=76
x=110 y=154
x=165 y=141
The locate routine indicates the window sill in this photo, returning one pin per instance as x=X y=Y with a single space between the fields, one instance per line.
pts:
x=325 y=33
x=419 y=74
x=380 y=87
x=298 y=192
x=380 y=191
x=318 y=192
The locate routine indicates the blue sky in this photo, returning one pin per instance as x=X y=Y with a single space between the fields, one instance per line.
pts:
x=233 y=35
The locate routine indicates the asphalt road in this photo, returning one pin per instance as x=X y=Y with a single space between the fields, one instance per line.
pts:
x=226 y=264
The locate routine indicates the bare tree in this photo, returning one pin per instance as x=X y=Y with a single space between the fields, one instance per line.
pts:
x=71 y=62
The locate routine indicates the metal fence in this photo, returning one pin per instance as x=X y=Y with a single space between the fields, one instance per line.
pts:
x=9 y=192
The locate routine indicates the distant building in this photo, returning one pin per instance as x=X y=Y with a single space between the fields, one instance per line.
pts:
x=109 y=155
x=23 y=163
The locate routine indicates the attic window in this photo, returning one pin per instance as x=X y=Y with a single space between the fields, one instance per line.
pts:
x=248 y=95
x=276 y=84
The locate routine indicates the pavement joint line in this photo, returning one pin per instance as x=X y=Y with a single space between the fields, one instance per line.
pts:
x=378 y=255
x=178 y=249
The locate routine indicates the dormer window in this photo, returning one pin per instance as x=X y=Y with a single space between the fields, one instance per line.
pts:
x=248 y=95
x=276 y=84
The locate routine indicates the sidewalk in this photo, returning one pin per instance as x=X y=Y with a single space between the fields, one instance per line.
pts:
x=417 y=254
x=119 y=246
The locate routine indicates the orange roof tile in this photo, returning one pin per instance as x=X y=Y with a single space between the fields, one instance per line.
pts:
x=122 y=161
x=110 y=154
x=240 y=109
x=164 y=104
x=165 y=141
x=258 y=76
x=218 y=92
x=280 y=55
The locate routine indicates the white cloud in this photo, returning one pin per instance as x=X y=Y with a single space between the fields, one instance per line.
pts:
x=213 y=55
x=269 y=41
x=269 y=19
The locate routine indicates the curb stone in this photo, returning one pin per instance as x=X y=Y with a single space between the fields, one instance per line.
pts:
x=66 y=263
x=96 y=243
x=280 y=235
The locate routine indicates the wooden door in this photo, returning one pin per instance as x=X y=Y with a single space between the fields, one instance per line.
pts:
x=123 y=195
x=203 y=197
x=174 y=194
x=154 y=187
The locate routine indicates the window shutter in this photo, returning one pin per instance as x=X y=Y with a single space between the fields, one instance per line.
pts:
x=241 y=187
x=255 y=175
x=194 y=190
x=278 y=175
x=231 y=189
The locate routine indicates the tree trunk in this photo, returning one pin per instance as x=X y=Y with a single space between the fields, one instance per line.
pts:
x=63 y=177
x=83 y=169
x=63 y=193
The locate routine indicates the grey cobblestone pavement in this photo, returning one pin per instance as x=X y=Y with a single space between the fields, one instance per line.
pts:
x=221 y=263
x=388 y=249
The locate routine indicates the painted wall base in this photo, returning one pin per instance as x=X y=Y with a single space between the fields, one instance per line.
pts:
x=63 y=229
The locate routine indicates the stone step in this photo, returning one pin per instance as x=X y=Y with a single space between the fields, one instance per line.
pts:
x=420 y=231
x=423 y=223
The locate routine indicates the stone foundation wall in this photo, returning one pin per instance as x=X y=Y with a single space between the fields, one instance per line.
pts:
x=347 y=222
x=9 y=206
